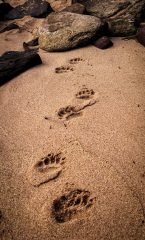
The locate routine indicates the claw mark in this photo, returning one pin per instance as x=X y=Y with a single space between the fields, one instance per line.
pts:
x=63 y=69
x=85 y=93
x=75 y=60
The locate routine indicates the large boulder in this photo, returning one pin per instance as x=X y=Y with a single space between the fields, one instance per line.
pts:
x=64 y=30
x=122 y=15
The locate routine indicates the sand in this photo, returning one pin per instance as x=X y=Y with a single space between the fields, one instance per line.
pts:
x=75 y=173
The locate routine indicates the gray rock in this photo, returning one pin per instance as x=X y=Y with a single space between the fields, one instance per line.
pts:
x=121 y=15
x=62 y=31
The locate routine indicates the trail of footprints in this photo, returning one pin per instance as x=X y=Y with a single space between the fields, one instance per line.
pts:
x=70 y=111
x=77 y=201
x=68 y=206
x=86 y=98
x=50 y=166
x=67 y=68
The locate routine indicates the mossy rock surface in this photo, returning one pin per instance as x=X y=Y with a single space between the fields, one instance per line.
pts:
x=64 y=30
x=121 y=15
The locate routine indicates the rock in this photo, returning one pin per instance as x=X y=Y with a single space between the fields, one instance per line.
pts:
x=29 y=24
x=13 y=63
x=33 y=8
x=103 y=43
x=33 y=44
x=4 y=9
x=15 y=3
x=64 y=30
x=140 y=36
x=122 y=16
x=75 y=8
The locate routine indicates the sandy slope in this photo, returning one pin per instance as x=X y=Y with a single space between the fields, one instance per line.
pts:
x=103 y=147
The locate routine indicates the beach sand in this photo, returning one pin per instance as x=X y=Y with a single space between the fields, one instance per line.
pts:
x=77 y=175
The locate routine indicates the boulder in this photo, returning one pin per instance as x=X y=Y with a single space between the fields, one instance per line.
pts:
x=33 y=8
x=122 y=15
x=62 y=31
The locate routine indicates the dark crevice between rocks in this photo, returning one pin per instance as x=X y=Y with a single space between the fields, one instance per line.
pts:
x=4 y=9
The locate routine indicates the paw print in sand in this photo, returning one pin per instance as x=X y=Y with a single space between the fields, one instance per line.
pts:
x=75 y=60
x=71 y=204
x=67 y=112
x=85 y=93
x=63 y=69
x=46 y=169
